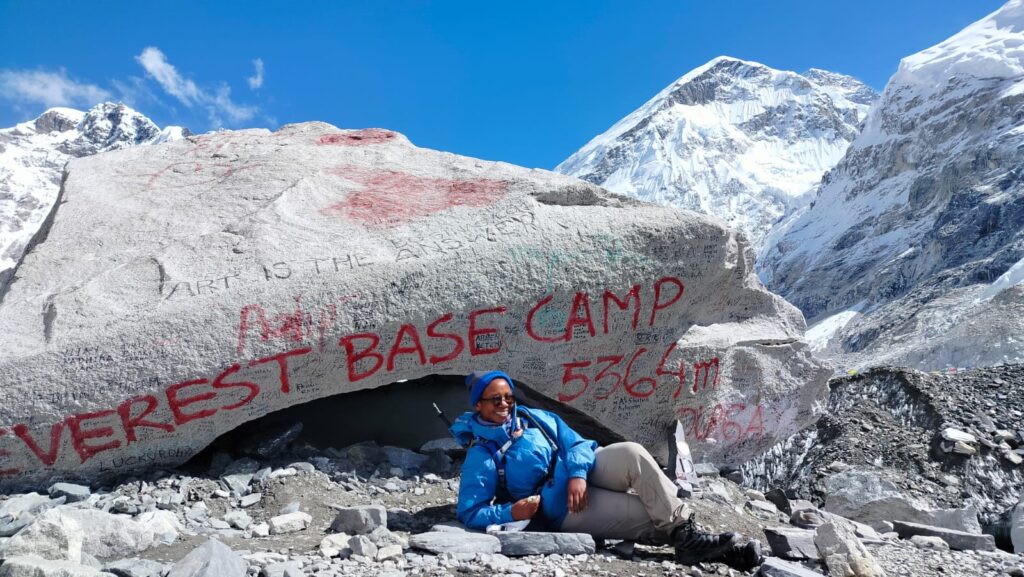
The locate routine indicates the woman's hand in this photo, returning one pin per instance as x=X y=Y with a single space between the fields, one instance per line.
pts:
x=577 y=495
x=524 y=509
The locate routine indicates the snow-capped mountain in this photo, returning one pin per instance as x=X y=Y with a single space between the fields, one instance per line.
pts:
x=911 y=252
x=33 y=154
x=734 y=139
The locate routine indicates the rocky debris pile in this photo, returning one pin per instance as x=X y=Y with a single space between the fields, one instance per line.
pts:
x=376 y=510
x=901 y=445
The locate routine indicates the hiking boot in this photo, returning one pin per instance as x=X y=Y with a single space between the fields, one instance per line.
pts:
x=695 y=544
x=743 y=557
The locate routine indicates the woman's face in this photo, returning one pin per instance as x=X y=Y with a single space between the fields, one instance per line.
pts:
x=498 y=389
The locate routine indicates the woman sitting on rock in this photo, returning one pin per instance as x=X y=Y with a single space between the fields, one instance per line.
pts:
x=528 y=464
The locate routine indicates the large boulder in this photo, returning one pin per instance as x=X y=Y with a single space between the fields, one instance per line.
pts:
x=864 y=496
x=107 y=535
x=52 y=535
x=177 y=291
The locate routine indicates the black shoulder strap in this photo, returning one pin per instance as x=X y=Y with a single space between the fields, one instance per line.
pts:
x=501 y=493
x=549 y=477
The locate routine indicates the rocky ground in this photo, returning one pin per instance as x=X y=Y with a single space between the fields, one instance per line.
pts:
x=897 y=438
x=290 y=509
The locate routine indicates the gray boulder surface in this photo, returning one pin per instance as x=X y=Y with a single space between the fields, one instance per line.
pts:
x=109 y=536
x=52 y=536
x=791 y=543
x=183 y=289
x=843 y=553
x=211 y=559
x=70 y=491
x=451 y=542
x=136 y=568
x=518 y=543
x=958 y=540
x=32 y=566
x=865 y=497
x=775 y=567
x=289 y=522
x=359 y=520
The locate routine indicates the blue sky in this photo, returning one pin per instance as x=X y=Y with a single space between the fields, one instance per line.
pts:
x=524 y=82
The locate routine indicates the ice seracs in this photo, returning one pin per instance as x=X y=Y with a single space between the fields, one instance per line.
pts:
x=922 y=222
x=732 y=138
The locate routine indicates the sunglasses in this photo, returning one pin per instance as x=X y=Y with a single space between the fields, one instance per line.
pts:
x=497 y=399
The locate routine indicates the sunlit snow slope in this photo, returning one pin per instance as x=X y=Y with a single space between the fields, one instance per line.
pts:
x=32 y=157
x=919 y=228
x=734 y=139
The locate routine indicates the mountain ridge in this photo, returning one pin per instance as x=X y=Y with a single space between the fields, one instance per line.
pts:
x=732 y=138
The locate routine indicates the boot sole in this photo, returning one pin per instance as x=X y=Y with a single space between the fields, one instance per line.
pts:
x=693 y=557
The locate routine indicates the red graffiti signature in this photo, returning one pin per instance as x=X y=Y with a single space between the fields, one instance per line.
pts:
x=358 y=138
x=391 y=198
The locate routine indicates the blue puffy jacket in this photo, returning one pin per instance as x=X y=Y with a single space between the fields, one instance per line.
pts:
x=526 y=464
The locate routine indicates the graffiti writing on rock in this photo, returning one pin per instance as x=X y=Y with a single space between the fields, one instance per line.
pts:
x=363 y=137
x=390 y=198
x=730 y=423
x=196 y=402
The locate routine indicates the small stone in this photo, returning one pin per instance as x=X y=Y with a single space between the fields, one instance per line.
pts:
x=238 y=519
x=283 y=569
x=951 y=434
x=389 y=552
x=963 y=448
x=838 y=466
x=706 y=470
x=250 y=500
x=445 y=542
x=791 y=543
x=219 y=524
x=959 y=540
x=238 y=483
x=762 y=509
x=361 y=545
x=359 y=520
x=335 y=545
x=261 y=530
x=211 y=559
x=33 y=566
x=449 y=527
x=136 y=568
x=520 y=543
x=72 y=492
x=289 y=523
x=774 y=567
x=446 y=445
x=927 y=542
x=261 y=475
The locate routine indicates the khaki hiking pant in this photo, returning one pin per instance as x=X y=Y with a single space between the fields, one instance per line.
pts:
x=647 y=513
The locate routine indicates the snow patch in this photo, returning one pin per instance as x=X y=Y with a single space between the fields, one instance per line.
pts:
x=819 y=335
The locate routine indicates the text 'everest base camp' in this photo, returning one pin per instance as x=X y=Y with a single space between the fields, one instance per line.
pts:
x=180 y=290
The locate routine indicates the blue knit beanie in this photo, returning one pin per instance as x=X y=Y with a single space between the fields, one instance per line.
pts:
x=477 y=381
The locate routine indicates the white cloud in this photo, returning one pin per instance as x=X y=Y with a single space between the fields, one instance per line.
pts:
x=256 y=80
x=218 y=104
x=167 y=76
x=49 y=88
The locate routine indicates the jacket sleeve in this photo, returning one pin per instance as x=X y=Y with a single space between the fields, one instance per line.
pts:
x=476 y=489
x=579 y=452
